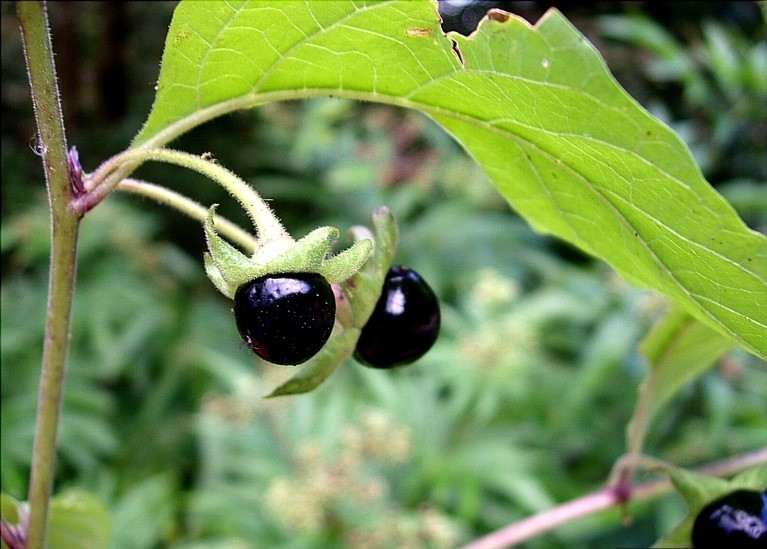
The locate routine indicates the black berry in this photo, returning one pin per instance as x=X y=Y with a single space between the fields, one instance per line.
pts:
x=404 y=324
x=738 y=519
x=285 y=318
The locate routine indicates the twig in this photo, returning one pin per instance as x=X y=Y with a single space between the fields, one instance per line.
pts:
x=600 y=500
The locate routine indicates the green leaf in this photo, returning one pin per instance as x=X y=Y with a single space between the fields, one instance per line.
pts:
x=11 y=512
x=146 y=512
x=535 y=105
x=78 y=520
x=678 y=349
x=751 y=479
x=9 y=509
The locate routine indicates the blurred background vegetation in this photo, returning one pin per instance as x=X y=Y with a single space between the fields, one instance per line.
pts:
x=521 y=404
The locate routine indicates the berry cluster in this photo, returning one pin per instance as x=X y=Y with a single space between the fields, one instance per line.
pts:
x=287 y=318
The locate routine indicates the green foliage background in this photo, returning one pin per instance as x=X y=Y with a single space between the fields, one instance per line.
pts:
x=522 y=403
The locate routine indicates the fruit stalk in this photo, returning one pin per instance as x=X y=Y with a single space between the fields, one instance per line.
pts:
x=189 y=207
x=52 y=148
x=100 y=184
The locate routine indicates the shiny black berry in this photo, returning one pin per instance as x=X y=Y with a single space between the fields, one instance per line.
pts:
x=285 y=318
x=738 y=519
x=404 y=324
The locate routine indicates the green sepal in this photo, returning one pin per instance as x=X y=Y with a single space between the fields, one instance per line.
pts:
x=336 y=351
x=364 y=288
x=340 y=267
x=371 y=256
x=698 y=490
x=235 y=267
x=216 y=278
x=228 y=268
x=307 y=254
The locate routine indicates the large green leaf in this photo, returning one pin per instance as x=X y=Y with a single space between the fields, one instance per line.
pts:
x=535 y=105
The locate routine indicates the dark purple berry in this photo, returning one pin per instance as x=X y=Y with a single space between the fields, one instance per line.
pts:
x=738 y=519
x=404 y=324
x=285 y=318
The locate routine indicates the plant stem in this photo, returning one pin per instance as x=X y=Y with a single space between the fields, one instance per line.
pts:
x=189 y=207
x=101 y=184
x=636 y=432
x=64 y=227
x=600 y=500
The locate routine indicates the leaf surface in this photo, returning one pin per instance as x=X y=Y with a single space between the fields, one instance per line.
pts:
x=536 y=107
x=678 y=349
x=78 y=519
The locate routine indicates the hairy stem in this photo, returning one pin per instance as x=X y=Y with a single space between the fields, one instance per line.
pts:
x=601 y=500
x=189 y=207
x=64 y=226
x=101 y=183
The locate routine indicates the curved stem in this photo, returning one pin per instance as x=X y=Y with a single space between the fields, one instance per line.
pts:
x=600 y=500
x=189 y=207
x=635 y=434
x=102 y=183
x=64 y=227
x=632 y=461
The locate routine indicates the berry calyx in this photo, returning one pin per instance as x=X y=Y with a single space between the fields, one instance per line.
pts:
x=285 y=318
x=738 y=519
x=404 y=324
